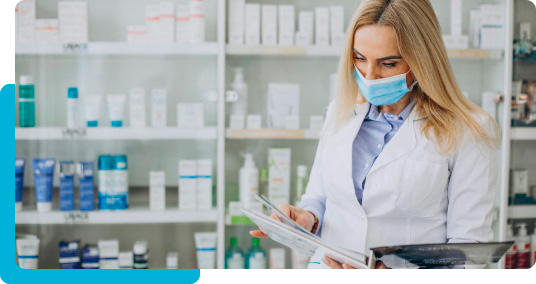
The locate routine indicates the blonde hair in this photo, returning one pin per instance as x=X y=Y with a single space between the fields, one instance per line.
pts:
x=437 y=96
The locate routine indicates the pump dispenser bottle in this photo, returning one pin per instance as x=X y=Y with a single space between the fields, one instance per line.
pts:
x=239 y=107
x=523 y=247
x=249 y=183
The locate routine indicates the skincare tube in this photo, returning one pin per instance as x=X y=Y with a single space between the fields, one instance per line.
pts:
x=116 y=105
x=92 y=110
x=19 y=183
x=28 y=252
x=205 y=244
x=44 y=177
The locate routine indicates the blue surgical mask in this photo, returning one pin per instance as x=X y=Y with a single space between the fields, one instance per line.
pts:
x=385 y=91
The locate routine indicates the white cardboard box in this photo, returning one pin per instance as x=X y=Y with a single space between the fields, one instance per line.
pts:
x=269 y=25
x=253 y=24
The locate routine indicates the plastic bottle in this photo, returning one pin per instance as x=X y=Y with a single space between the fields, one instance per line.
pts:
x=523 y=247
x=234 y=257
x=141 y=255
x=256 y=256
x=72 y=107
x=240 y=106
x=533 y=247
x=106 y=182
x=26 y=102
x=510 y=258
x=301 y=183
x=249 y=182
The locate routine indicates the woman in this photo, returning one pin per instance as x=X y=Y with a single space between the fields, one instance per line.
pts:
x=404 y=157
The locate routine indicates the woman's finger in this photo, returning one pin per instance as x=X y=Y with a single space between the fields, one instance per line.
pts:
x=332 y=263
x=346 y=266
x=381 y=265
x=258 y=234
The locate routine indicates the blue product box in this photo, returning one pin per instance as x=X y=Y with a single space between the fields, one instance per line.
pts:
x=69 y=254
x=86 y=186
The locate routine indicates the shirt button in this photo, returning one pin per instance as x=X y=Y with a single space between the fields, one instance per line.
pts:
x=379 y=146
x=366 y=165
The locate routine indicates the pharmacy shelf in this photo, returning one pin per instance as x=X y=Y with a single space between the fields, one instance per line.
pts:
x=117 y=48
x=336 y=51
x=522 y=212
x=130 y=216
x=475 y=53
x=523 y=133
x=266 y=133
x=283 y=50
x=111 y=133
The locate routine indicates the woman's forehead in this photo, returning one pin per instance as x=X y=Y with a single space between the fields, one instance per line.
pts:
x=376 y=41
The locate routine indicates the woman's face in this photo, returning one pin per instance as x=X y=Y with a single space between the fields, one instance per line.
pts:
x=376 y=53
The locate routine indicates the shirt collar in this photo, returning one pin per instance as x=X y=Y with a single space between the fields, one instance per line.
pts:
x=374 y=114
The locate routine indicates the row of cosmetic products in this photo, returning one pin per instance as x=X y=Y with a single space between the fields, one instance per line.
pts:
x=166 y=22
x=106 y=254
x=71 y=26
x=486 y=27
x=256 y=257
x=112 y=183
x=273 y=182
x=195 y=184
x=520 y=192
x=254 y=24
x=189 y=115
x=522 y=254
x=283 y=106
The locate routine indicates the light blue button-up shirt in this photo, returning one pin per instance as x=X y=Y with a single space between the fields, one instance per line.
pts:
x=375 y=132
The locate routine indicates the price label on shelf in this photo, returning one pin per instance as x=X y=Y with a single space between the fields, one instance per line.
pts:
x=73 y=133
x=76 y=217
x=75 y=47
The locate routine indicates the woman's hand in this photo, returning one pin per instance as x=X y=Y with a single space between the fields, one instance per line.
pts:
x=336 y=265
x=304 y=218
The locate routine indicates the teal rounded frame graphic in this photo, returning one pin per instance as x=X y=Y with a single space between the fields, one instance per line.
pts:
x=10 y=272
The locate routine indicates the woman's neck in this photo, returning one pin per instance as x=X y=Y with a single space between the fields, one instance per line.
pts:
x=397 y=107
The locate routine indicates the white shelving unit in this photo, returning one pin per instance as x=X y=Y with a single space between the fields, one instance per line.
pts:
x=523 y=133
x=331 y=51
x=130 y=216
x=264 y=133
x=219 y=50
x=118 y=48
x=114 y=133
x=522 y=211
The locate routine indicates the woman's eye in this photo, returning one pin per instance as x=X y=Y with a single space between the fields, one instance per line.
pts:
x=389 y=65
x=359 y=59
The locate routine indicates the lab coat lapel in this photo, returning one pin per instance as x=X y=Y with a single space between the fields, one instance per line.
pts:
x=402 y=143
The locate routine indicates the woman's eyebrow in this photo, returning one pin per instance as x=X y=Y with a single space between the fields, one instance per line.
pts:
x=379 y=59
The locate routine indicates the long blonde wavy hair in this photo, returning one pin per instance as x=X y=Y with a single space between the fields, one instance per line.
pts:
x=437 y=96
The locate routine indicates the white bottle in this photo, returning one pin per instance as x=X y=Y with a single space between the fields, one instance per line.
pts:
x=72 y=107
x=240 y=106
x=249 y=183
x=523 y=247
x=511 y=255
x=533 y=247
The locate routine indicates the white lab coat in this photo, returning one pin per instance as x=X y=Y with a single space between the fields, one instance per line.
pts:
x=413 y=194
